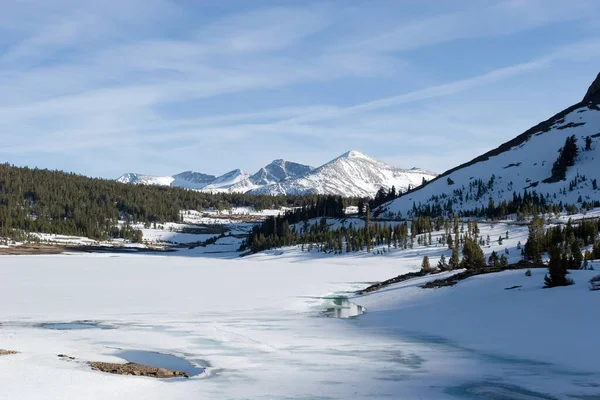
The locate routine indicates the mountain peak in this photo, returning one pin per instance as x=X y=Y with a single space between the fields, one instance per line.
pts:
x=353 y=154
x=593 y=93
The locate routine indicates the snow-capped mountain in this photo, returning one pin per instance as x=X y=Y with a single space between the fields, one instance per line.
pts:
x=278 y=171
x=227 y=181
x=523 y=163
x=192 y=180
x=141 y=179
x=351 y=174
x=187 y=179
x=233 y=181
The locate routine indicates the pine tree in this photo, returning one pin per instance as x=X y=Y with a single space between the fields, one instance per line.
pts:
x=493 y=260
x=557 y=273
x=588 y=143
x=473 y=257
x=442 y=266
x=535 y=241
x=361 y=207
x=577 y=257
x=454 y=261
x=425 y=266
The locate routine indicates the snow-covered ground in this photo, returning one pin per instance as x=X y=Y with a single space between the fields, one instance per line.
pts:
x=67 y=240
x=257 y=323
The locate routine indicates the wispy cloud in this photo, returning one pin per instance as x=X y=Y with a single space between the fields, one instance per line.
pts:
x=145 y=80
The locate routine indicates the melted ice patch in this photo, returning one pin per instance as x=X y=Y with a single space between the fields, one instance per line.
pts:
x=160 y=360
x=341 y=307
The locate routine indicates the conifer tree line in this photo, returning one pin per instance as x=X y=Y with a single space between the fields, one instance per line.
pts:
x=320 y=236
x=563 y=244
x=382 y=196
x=294 y=228
x=522 y=205
x=569 y=239
x=39 y=200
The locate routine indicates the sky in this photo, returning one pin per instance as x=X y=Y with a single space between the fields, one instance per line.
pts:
x=102 y=88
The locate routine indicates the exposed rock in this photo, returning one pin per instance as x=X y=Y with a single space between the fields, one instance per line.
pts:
x=593 y=93
x=136 y=370
x=7 y=352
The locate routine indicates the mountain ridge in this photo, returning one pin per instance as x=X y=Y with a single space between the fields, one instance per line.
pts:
x=350 y=174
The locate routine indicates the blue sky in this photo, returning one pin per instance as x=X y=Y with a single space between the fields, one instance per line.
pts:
x=107 y=87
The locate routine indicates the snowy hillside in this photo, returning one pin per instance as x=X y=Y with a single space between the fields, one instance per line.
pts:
x=524 y=163
x=351 y=174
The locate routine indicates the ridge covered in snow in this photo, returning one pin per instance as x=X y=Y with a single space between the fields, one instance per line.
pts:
x=351 y=174
x=142 y=179
x=192 y=180
x=523 y=163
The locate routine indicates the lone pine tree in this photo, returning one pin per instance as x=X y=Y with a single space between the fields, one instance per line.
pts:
x=535 y=241
x=557 y=273
x=473 y=257
x=425 y=266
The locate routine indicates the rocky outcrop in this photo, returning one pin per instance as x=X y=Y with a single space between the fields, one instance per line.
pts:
x=136 y=370
x=593 y=93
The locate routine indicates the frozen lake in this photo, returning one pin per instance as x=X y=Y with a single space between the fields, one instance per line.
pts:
x=257 y=328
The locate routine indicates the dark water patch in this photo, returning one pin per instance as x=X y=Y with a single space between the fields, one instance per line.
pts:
x=75 y=325
x=495 y=391
x=341 y=307
x=160 y=360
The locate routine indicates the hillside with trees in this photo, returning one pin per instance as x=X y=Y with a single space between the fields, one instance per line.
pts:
x=40 y=200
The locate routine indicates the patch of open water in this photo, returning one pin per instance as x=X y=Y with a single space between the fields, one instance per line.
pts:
x=75 y=325
x=160 y=360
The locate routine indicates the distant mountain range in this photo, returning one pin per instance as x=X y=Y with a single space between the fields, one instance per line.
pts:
x=351 y=174
x=523 y=163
